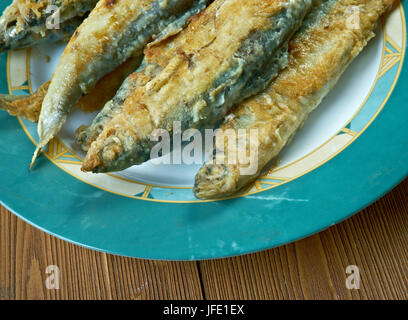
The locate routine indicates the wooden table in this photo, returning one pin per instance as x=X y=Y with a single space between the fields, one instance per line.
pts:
x=375 y=240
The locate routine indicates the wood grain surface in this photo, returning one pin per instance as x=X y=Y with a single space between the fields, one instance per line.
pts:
x=375 y=240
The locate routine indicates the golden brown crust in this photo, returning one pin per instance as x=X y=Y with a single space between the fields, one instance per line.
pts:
x=207 y=32
x=113 y=32
x=191 y=62
x=107 y=140
x=91 y=40
x=317 y=58
x=19 y=12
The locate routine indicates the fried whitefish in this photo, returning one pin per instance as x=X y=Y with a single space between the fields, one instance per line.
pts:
x=24 y=22
x=113 y=32
x=229 y=52
x=318 y=55
x=85 y=135
x=157 y=54
x=29 y=107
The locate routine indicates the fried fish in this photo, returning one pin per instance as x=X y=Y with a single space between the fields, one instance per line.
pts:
x=318 y=55
x=29 y=107
x=157 y=54
x=222 y=61
x=24 y=23
x=113 y=32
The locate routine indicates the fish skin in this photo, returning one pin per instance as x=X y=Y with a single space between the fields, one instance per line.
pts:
x=149 y=68
x=220 y=63
x=319 y=54
x=114 y=31
x=24 y=22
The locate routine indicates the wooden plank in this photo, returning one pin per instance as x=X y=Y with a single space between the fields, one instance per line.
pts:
x=25 y=254
x=375 y=240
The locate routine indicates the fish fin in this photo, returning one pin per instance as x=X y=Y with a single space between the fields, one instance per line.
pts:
x=6 y=101
x=36 y=153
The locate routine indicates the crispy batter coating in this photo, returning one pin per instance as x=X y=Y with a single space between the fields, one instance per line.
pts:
x=150 y=67
x=318 y=55
x=221 y=61
x=24 y=22
x=113 y=32
x=28 y=107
